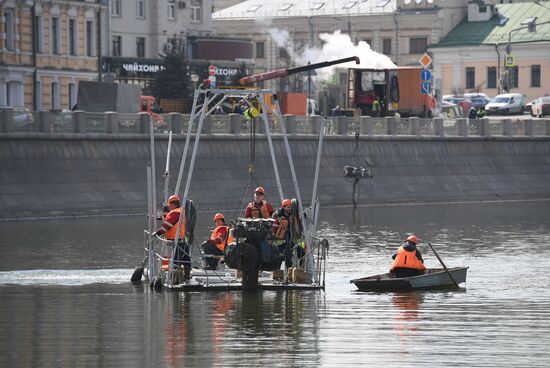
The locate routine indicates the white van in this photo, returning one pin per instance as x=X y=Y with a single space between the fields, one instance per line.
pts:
x=508 y=103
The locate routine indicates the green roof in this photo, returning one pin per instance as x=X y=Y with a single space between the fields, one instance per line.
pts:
x=490 y=32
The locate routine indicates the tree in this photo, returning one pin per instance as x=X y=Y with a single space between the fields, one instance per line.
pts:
x=173 y=80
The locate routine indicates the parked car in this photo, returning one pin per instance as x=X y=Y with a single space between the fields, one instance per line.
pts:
x=541 y=107
x=450 y=110
x=528 y=106
x=464 y=103
x=479 y=102
x=22 y=115
x=508 y=103
x=471 y=95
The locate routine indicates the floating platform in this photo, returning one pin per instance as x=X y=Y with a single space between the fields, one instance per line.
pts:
x=214 y=280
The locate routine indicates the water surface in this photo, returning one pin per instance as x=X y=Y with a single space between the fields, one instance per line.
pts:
x=66 y=299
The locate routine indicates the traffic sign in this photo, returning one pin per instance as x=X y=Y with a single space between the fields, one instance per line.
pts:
x=212 y=79
x=425 y=60
x=509 y=61
x=425 y=88
x=212 y=70
x=425 y=75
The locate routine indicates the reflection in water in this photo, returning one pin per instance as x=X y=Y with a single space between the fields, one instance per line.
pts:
x=407 y=306
x=176 y=319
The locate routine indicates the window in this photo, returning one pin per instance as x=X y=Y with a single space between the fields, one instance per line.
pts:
x=418 y=45
x=72 y=37
x=483 y=9
x=470 y=77
x=513 y=77
x=386 y=46
x=171 y=14
x=140 y=9
x=140 y=46
x=38 y=38
x=72 y=95
x=117 y=46
x=115 y=8
x=196 y=10
x=55 y=95
x=535 y=75
x=260 y=50
x=285 y=7
x=54 y=36
x=491 y=77
x=9 y=24
x=38 y=95
x=283 y=53
x=369 y=41
x=90 y=38
x=14 y=93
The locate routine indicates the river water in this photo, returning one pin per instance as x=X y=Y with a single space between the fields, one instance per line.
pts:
x=66 y=299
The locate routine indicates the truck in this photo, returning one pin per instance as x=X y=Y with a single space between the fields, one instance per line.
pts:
x=118 y=97
x=398 y=90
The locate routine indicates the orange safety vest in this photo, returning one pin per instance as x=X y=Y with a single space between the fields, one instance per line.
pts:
x=284 y=223
x=280 y=231
x=255 y=212
x=171 y=234
x=215 y=235
x=405 y=259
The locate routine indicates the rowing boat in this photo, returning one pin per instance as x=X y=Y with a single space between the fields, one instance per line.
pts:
x=433 y=278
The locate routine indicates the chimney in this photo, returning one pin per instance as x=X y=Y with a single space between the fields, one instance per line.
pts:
x=480 y=11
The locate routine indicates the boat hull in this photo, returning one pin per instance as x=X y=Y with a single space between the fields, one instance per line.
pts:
x=434 y=278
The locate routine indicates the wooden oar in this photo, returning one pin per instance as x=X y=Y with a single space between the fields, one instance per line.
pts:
x=443 y=264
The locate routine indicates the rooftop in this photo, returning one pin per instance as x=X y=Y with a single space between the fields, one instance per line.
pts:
x=304 y=8
x=497 y=29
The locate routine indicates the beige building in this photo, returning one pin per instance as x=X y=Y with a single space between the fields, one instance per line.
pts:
x=473 y=57
x=66 y=51
x=400 y=29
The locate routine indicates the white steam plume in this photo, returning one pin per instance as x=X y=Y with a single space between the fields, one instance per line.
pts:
x=335 y=46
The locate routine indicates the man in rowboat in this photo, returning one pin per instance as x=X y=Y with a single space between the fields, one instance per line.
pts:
x=259 y=208
x=407 y=261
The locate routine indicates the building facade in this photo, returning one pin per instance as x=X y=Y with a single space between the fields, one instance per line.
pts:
x=143 y=30
x=400 y=29
x=499 y=48
x=68 y=39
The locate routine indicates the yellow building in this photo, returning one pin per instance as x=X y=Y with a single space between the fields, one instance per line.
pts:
x=66 y=50
x=499 y=48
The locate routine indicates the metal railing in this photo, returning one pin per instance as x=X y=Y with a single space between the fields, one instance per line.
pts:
x=79 y=122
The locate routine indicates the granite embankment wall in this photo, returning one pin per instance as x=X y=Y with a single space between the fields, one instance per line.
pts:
x=73 y=175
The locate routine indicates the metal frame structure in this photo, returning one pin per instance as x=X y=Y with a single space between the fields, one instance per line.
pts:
x=199 y=113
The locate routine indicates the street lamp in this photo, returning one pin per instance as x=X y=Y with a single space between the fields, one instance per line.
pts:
x=195 y=79
x=34 y=33
x=529 y=24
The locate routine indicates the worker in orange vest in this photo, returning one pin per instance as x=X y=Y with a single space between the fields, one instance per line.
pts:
x=259 y=208
x=408 y=261
x=168 y=231
x=287 y=231
x=215 y=246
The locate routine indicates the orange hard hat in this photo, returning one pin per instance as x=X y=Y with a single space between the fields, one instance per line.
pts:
x=259 y=190
x=412 y=238
x=286 y=202
x=173 y=198
x=218 y=216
